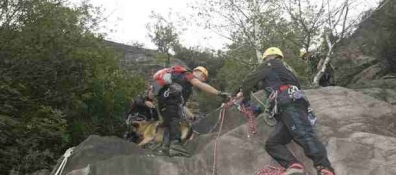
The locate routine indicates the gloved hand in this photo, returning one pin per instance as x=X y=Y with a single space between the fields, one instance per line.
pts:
x=256 y=110
x=149 y=104
x=225 y=95
x=246 y=102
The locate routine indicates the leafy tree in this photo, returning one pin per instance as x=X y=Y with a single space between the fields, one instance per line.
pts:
x=327 y=23
x=250 y=25
x=307 y=18
x=58 y=83
x=163 y=34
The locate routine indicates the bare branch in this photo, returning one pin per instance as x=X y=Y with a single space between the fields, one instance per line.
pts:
x=239 y=9
x=344 y=22
x=222 y=35
x=341 y=12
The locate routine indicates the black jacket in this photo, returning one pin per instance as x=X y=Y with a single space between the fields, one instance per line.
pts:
x=270 y=74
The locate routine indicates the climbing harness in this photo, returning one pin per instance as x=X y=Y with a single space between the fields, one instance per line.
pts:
x=273 y=97
x=268 y=119
x=63 y=164
x=295 y=94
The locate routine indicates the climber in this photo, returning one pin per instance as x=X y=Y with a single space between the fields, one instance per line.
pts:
x=315 y=64
x=142 y=108
x=290 y=107
x=172 y=88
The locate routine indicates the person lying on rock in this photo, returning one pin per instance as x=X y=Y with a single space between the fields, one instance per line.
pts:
x=172 y=88
x=290 y=107
x=142 y=108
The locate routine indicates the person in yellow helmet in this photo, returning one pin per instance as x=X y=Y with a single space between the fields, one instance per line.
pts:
x=315 y=63
x=303 y=54
x=273 y=52
x=173 y=87
x=290 y=107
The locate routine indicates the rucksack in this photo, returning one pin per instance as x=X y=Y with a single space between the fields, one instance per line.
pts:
x=164 y=77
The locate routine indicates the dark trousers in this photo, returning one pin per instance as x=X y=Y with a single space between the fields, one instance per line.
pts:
x=170 y=108
x=293 y=124
x=172 y=119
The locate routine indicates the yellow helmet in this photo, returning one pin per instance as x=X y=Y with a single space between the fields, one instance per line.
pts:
x=272 y=51
x=203 y=70
x=303 y=52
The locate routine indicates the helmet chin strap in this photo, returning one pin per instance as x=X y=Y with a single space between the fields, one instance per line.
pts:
x=270 y=57
x=199 y=75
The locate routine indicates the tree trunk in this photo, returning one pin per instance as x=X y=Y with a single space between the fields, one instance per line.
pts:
x=259 y=56
x=256 y=37
x=167 y=64
x=319 y=75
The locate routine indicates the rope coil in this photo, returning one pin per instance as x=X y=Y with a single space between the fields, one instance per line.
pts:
x=67 y=154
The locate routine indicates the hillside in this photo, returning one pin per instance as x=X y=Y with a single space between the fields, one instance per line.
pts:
x=141 y=60
x=369 y=53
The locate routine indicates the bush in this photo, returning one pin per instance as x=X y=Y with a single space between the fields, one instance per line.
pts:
x=59 y=83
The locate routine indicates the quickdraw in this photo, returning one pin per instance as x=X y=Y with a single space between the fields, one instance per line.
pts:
x=268 y=119
x=274 y=97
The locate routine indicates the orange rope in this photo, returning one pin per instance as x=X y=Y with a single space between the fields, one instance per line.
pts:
x=251 y=119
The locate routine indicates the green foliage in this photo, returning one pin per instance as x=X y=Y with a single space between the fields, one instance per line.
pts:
x=161 y=57
x=163 y=34
x=207 y=102
x=25 y=139
x=58 y=83
x=194 y=57
x=232 y=74
x=302 y=70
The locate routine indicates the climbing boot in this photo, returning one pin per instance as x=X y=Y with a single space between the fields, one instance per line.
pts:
x=295 y=169
x=177 y=149
x=163 y=148
x=324 y=171
x=161 y=151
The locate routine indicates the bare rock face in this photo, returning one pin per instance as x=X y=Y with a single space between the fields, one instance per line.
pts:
x=369 y=53
x=358 y=131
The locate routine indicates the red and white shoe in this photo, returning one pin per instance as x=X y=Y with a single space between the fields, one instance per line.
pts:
x=295 y=169
x=324 y=171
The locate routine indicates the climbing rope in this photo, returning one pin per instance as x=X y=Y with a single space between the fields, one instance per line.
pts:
x=199 y=119
x=270 y=170
x=223 y=108
x=65 y=157
x=222 y=114
x=251 y=120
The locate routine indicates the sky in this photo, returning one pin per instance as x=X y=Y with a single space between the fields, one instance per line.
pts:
x=127 y=19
